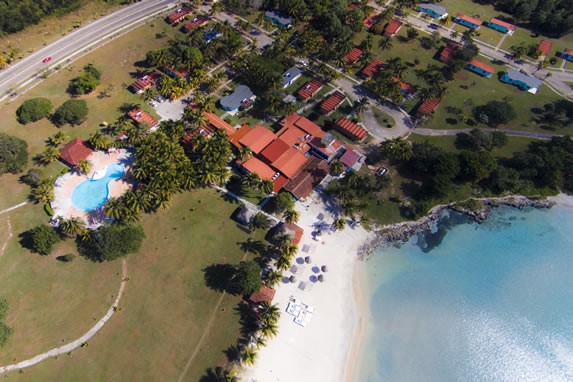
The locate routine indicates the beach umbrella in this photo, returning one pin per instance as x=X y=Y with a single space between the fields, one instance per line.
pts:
x=292 y=279
x=324 y=268
x=320 y=278
x=307 y=260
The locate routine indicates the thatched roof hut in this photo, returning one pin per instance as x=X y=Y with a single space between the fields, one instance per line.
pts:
x=245 y=215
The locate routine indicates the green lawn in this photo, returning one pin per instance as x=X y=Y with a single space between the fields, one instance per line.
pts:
x=165 y=307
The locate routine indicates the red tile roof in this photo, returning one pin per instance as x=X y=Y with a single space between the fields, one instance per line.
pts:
x=298 y=232
x=469 y=19
x=370 y=20
x=351 y=129
x=352 y=56
x=429 y=105
x=75 y=151
x=207 y=131
x=308 y=89
x=481 y=65
x=146 y=82
x=290 y=163
x=330 y=150
x=265 y=294
x=238 y=134
x=174 y=72
x=198 y=21
x=179 y=15
x=313 y=173
x=349 y=158
x=372 y=68
x=279 y=183
x=258 y=138
x=448 y=51
x=310 y=127
x=393 y=27
x=257 y=166
x=568 y=52
x=332 y=102
x=405 y=87
x=218 y=123
x=545 y=47
x=274 y=151
x=141 y=116
x=292 y=135
x=503 y=24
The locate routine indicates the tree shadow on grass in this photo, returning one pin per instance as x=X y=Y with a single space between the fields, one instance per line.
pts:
x=214 y=375
x=26 y=241
x=218 y=277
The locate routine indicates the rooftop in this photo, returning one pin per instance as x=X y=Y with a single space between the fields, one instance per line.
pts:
x=332 y=102
x=370 y=20
x=233 y=100
x=146 y=81
x=258 y=138
x=275 y=150
x=218 y=123
x=179 y=14
x=372 y=68
x=448 y=51
x=349 y=158
x=298 y=232
x=351 y=128
x=351 y=57
x=142 y=117
x=481 y=65
x=265 y=294
x=439 y=9
x=307 y=90
x=291 y=73
x=292 y=135
x=531 y=81
x=393 y=27
x=503 y=24
x=198 y=21
x=75 y=151
x=257 y=166
x=545 y=47
x=469 y=19
x=312 y=174
x=238 y=134
x=290 y=162
x=429 y=105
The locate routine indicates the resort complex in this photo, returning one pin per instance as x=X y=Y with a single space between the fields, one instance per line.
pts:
x=261 y=191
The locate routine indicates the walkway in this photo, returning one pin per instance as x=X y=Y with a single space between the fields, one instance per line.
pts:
x=8 y=237
x=246 y=202
x=13 y=208
x=511 y=133
x=80 y=341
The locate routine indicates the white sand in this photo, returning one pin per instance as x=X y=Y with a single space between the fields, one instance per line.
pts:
x=319 y=351
x=563 y=200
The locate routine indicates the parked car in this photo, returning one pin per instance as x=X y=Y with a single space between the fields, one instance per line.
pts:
x=152 y=103
x=160 y=99
x=381 y=171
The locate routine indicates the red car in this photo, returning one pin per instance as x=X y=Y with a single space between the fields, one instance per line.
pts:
x=47 y=59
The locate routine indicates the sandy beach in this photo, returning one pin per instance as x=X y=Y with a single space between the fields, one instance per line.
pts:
x=321 y=350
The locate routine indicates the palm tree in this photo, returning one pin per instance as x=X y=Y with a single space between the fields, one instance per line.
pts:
x=269 y=329
x=259 y=221
x=339 y=224
x=44 y=192
x=386 y=43
x=84 y=166
x=114 y=208
x=454 y=35
x=272 y=278
x=72 y=227
x=397 y=149
x=267 y=186
x=283 y=263
x=289 y=250
x=291 y=216
x=517 y=52
x=245 y=153
x=336 y=167
x=469 y=34
x=49 y=155
x=269 y=312
x=542 y=65
x=248 y=356
x=395 y=66
x=57 y=139
x=260 y=19
x=98 y=141
x=149 y=94
x=251 y=180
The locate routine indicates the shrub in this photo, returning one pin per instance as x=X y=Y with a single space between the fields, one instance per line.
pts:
x=48 y=209
x=110 y=242
x=33 y=110
x=494 y=113
x=42 y=239
x=13 y=154
x=87 y=82
x=3 y=308
x=5 y=333
x=72 y=112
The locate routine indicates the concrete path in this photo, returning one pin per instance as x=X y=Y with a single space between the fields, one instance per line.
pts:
x=13 y=208
x=9 y=236
x=247 y=203
x=511 y=133
x=77 y=343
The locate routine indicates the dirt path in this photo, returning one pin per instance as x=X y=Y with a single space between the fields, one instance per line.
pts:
x=7 y=238
x=13 y=208
x=78 y=342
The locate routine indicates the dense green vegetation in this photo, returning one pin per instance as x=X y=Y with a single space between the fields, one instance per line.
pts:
x=33 y=110
x=13 y=154
x=87 y=82
x=16 y=15
x=5 y=331
x=110 y=242
x=41 y=239
x=73 y=112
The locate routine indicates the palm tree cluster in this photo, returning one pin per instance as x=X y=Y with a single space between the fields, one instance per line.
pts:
x=434 y=79
x=43 y=192
x=396 y=149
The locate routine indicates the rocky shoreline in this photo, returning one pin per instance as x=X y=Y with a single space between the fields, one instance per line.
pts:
x=477 y=209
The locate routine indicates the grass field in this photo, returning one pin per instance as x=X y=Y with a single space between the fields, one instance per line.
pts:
x=165 y=308
x=53 y=27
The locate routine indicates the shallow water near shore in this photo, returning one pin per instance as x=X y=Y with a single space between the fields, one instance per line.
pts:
x=473 y=302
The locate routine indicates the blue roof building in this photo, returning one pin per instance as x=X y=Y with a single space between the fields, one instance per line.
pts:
x=468 y=21
x=290 y=76
x=501 y=26
x=279 y=19
x=567 y=55
x=521 y=80
x=210 y=35
x=480 y=68
x=434 y=10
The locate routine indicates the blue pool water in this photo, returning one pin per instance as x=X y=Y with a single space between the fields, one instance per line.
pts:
x=490 y=302
x=91 y=194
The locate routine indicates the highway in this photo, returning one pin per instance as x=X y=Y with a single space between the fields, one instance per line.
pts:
x=23 y=71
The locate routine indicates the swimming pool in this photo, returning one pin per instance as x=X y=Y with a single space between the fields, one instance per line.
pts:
x=91 y=194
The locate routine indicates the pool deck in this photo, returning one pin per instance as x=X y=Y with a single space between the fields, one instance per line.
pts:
x=65 y=184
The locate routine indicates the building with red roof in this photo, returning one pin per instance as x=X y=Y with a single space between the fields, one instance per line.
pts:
x=298 y=232
x=350 y=158
x=275 y=150
x=141 y=117
x=370 y=20
x=145 y=82
x=468 y=21
x=279 y=183
x=544 y=48
x=175 y=73
x=304 y=182
x=326 y=147
x=501 y=26
x=372 y=68
x=207 y=130
x=293 y=136
x=74 y=152
x=480 y=68
x=406 y=89
x=429 y=106
x=178 y=15
x=290 y=162
x=197 y=22
x=392 y=28
x=258 y=138
x=353 y=56
x=238 y=134
x=218 y=123
x=265 y=294
x=448 y=51
x=332 y=102
x=350 y=129
x=309 y=89
x=256 y=166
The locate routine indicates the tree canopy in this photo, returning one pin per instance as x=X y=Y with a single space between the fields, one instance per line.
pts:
x=87 y=82
x=41 y=239
x=247 y=278
x=33 y=110
x=13 y=154
x=73 y=112
x=16 y=15
x=112 y=241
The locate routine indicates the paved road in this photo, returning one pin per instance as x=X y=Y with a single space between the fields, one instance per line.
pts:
x=76 y=42
x=512 y=133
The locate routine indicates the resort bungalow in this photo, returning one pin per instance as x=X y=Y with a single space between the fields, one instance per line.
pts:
x=290 y=76
x=279 y=19
x=332 y=102
x=372 y=68
x=448 y=51
x=142 y=118
x=480 y=68
x=74 y=152
x=428 y=106
x=501 y=26
x=265 y=294
x=207 y=130
x=174 y=73
x=567 y=55
x=370 y=20
x=521 y=80
x=145 y=82
x=350 y=129
x=468 y=21
x=543 y=49
x=352 y=57
x=241 y=98
x=392 y=28
x=352 y=160
x=309 y=89
x=434 y=10
x=178 y=15
x=197 y=22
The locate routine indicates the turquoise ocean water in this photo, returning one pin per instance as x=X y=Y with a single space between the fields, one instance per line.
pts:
x=489 y=302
